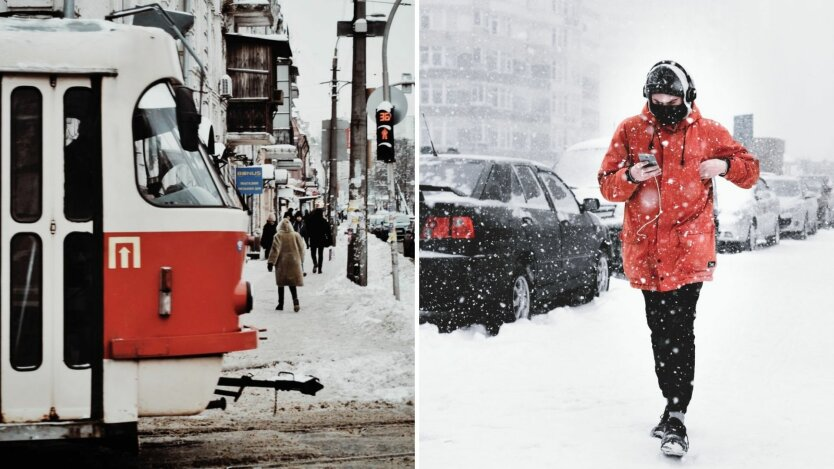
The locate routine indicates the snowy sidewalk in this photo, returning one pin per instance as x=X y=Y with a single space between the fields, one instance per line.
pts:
x=576 y=388
x=359 y=341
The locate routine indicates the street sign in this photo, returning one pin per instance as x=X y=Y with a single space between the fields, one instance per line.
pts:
x=249 y=180
x=397 y=99
x=385 y=133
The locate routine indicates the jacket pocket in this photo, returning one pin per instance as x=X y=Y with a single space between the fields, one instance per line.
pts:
x=696 y=251
x=635 y=256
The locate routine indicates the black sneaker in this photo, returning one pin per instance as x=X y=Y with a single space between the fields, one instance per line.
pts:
x=675 y=442
x=660 y=428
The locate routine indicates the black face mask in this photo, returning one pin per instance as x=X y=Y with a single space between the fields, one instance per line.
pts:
x=668 y=115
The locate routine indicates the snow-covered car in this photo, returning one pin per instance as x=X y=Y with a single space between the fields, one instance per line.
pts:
x=821 y=186
x=798 y=208
x=578 y=168
x=746 y=218
x=502 y=238
x=401 y=222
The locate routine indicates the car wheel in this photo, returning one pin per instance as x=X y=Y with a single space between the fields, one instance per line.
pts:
x=522 y=298
x=603 y=274
x=804 y=233
x=752 y=238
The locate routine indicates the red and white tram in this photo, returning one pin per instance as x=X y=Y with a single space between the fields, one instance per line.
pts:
x=121 y=249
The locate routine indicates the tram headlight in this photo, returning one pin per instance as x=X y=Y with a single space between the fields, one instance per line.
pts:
x=243 y=297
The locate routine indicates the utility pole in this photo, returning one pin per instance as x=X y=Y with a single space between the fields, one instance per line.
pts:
x=359 y=140
x=333 y=182
x=386 y=102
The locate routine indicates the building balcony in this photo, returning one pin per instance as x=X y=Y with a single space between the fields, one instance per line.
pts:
x=252 y=13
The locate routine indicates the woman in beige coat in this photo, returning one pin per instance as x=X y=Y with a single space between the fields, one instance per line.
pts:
x=287 y=255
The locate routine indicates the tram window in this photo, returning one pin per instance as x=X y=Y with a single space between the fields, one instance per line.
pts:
x=168 y=175
x=26 y=153
x=26 y=307
x=79 y=151
x=79 y=299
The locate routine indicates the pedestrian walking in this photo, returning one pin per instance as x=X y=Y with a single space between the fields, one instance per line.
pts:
x=268 y=233
x=661 y=164
x=318 y=231
x=287 y=256
x=298 y=226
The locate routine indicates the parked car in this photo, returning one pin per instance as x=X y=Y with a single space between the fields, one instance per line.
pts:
x=408 y=241
x=578 y=168
x=746 y=218
x=503 y=238
x=821 y=186
x=798 y=207
x=401 y=222
x=376 y=223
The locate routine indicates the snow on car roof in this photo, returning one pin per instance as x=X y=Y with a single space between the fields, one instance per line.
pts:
x=777 y=177
x=502 y=159
x=592 y=144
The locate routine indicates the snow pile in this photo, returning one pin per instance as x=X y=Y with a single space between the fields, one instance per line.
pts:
x=359 y=341
x=576 y=388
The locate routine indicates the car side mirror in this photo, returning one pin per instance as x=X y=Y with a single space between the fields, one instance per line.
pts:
x=590 y=205
x=188 y=119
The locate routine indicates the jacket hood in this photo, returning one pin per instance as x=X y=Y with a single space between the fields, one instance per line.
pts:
x=693 y=116
x=285 y=226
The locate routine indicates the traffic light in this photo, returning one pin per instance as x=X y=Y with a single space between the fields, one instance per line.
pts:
x=385 y=132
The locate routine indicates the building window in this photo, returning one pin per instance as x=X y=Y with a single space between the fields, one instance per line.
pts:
x=437 y=93
x=492 y=60
x=437 y=56
x=424 y=56
x=477 y=18
x=424 y=21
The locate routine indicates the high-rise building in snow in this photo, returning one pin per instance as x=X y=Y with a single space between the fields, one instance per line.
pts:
x=515 y=77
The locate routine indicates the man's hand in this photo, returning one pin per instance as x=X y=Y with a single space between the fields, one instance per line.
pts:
x=269 y=267
x=643 y=171
x=711 y=168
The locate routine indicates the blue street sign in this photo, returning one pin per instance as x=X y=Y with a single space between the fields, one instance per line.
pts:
x=249 y=181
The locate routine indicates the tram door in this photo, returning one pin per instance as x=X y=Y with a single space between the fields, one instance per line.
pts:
x=50 y=248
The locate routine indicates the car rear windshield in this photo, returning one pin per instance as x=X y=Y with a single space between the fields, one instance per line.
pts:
x=785 y=188
x=457 y=174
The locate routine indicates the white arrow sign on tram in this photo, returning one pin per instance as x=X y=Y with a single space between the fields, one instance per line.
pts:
x=124 y=252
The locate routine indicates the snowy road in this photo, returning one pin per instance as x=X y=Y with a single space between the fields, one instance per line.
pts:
x=575 y=388
x=358 y=341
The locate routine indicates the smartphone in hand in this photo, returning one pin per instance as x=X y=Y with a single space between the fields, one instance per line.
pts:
x=648 y=157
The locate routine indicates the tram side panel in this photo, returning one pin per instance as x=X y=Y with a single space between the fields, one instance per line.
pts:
x=156 y=362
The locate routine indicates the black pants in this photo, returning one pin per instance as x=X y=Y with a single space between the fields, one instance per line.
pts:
x=293 y=292
x=318 y=256
x=671 y=318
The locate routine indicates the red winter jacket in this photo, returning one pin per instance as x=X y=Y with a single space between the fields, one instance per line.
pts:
x=677 y=247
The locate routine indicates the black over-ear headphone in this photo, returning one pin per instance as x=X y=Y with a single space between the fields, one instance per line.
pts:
x=691 y=92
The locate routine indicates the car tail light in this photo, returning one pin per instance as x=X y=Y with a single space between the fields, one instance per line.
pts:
x=448 y=227
x=435 y=228
x=463 y=228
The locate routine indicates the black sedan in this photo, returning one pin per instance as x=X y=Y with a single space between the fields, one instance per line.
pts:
x=501 y=239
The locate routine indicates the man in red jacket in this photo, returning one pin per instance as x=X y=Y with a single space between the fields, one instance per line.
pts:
x=661 y=164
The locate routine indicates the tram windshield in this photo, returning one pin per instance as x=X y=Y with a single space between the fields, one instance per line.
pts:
x=166 y=173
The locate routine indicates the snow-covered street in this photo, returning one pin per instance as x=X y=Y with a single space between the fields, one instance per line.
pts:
x=576 y=388
x=358 y=341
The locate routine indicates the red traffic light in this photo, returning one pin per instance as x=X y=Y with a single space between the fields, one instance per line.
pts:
x=384 y=136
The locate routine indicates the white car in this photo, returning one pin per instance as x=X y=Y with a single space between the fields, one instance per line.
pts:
x=798 y=213
x=746 y=218
x=578 y=168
